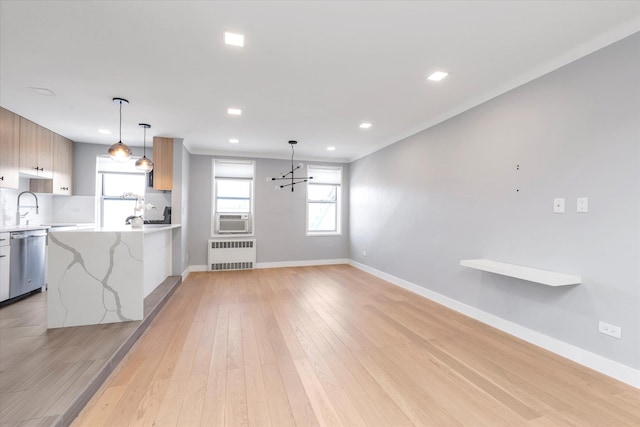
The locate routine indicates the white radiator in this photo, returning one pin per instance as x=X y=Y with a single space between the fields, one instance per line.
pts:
x=232 y=254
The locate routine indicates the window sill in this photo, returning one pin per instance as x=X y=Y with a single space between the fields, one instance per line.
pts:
x=231 y=235
x=323 y=233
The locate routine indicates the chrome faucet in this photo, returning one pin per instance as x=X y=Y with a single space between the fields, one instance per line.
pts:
x=18 y=216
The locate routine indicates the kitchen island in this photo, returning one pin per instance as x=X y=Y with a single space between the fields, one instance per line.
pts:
x=100 y=275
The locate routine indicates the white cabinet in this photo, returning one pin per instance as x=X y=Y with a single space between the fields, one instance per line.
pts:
x=4 y=266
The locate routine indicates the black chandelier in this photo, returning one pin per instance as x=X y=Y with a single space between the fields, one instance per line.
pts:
x=289 y=176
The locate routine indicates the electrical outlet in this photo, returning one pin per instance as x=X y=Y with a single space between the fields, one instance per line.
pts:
x=612 y=330
x=364 y=254
x=558 y=205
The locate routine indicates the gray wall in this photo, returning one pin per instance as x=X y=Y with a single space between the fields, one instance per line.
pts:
x=180 y=203
x=279 y=216
x=450 y=193
x=84 y=167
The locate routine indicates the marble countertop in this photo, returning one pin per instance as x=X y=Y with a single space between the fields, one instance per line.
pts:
x=9 y=228
x=46 y=226
x=147 y=228
x=71 y=224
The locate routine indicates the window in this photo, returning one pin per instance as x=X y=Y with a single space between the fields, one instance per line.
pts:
x=323 y=200
x=119 y=186
x=233 y=195
x=232 y=192
x=120 y=194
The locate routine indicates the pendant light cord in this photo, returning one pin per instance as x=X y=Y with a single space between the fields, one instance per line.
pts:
x=144 y=142
x=120 y=121
x=292 y=169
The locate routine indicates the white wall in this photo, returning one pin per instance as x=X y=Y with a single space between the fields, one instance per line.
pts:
x=453 y=192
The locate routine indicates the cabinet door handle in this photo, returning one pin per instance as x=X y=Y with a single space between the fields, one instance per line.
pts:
x=2 y=256
x=41 y=169
x=36 y=168
x=1 y=178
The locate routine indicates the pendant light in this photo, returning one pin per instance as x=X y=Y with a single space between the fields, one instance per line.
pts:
x=119 y=151
x=290 y=176
x=143 y=163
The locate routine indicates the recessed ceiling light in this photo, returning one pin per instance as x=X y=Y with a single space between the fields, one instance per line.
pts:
x=234 y=141
x=437 y=76
x=331 y=148
x=42 y=91
x=365 y=125
x=234 y=111
x=104 y=131
x=234 y=39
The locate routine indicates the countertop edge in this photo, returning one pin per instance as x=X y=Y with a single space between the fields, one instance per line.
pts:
x=12 y=228
x=126 y=229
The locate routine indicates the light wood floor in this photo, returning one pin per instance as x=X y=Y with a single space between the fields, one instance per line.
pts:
x=45 y=374
x=330 y=346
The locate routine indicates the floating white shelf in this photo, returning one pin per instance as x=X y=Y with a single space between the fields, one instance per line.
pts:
x=549 y=278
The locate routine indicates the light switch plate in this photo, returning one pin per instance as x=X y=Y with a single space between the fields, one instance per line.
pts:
x=583 y=205
x=558 y=205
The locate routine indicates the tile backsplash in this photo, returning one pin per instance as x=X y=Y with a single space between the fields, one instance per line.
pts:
x=9 y=203
x=74 y=209
x=65 y=209
x=159 y=200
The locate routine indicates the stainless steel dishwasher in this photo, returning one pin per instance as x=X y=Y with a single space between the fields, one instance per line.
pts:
x=28 y=258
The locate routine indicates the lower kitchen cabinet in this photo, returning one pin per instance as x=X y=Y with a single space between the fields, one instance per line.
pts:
x=5 y=252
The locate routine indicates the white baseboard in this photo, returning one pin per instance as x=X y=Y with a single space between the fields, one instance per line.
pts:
x=305 y=263
x=191 y=269
x=579 y=355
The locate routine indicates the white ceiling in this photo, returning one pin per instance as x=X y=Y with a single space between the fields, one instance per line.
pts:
x=311 y=71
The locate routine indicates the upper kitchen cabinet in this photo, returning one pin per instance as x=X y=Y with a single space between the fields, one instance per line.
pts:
x=62 y=169
x=36 y=150
x=162 y=163
x=62 y=165
x=10 y=148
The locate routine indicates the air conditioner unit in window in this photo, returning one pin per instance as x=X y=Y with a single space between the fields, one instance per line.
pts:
x=232 y=223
